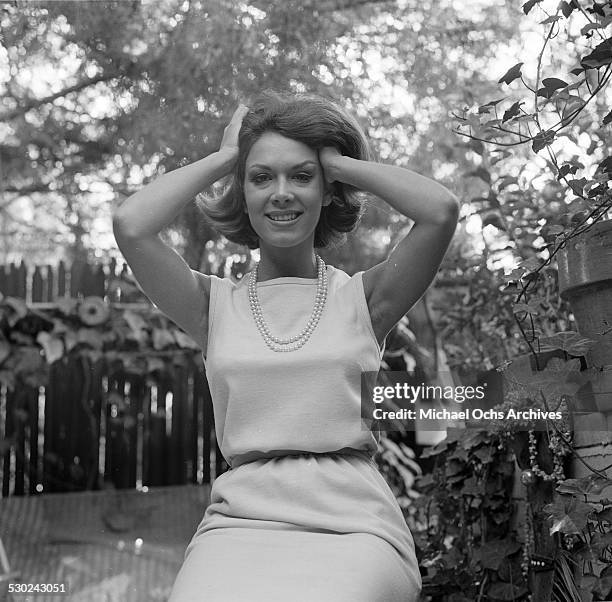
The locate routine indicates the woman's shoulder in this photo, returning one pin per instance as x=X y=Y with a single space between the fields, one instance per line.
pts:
x=339 y=277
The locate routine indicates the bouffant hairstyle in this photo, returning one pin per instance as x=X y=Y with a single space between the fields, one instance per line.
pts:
x=314 y=121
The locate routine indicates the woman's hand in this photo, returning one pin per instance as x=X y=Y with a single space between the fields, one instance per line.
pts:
x=229 y=143
x=329 y=157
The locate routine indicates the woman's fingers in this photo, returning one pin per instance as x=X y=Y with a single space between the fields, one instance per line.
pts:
x=232 y=129
x=240 y=112
x=238 y=116
x=327 y=156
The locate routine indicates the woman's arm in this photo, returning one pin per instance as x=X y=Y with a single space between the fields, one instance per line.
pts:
x=148 y=211
x=163 y=275
x=395 y=285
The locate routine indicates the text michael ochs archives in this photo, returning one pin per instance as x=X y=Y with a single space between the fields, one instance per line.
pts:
x=397 y=401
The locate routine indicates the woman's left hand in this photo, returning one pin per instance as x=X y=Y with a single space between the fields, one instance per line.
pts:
x=329 y=158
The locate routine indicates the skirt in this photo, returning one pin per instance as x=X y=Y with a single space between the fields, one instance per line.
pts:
x=303 y=527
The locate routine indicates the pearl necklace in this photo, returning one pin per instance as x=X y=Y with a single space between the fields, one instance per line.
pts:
x=295 y=342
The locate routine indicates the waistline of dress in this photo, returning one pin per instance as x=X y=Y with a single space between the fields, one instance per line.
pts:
x=250 y=457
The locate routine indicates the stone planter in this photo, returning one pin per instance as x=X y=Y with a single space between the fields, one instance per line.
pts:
x=585 y=281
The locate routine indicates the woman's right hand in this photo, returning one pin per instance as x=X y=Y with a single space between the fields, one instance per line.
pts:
x=229 y=143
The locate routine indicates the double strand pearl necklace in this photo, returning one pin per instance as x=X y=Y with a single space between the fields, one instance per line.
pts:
x=295 y=342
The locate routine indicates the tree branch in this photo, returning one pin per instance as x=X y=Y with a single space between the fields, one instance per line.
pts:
x=37 y=102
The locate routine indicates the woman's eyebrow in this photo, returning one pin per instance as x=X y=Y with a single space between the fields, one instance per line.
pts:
x=307 y=163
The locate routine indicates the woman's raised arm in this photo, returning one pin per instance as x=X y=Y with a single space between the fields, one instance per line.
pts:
x=395 y=285
x=164 y=276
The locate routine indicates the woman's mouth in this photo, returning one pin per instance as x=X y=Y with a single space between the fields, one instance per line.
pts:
x=283 y=216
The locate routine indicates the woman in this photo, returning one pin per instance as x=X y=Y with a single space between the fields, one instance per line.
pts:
x=303 y=514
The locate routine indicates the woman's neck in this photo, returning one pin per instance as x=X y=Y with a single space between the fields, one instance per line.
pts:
x=287 y=262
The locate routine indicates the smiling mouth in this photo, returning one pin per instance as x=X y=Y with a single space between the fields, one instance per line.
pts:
x=289 y=216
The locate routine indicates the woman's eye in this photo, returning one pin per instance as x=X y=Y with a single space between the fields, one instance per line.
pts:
x=259 y=178
x=304 y=177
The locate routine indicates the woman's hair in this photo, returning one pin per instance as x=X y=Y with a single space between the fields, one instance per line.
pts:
x=314 y=121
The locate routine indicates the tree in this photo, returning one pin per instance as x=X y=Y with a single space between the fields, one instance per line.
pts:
x=122 y=91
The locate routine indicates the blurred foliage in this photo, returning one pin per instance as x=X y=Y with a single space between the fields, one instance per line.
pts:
x=100 y=97
x=135 y=338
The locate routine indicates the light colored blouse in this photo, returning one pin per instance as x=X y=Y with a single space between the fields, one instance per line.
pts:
x=269 y=403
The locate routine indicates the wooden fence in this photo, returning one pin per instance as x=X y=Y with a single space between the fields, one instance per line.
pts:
x=47 y=283
x=96 y=424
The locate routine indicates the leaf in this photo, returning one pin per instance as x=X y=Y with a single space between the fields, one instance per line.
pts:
x=589 y=27
x=134 y=320
x=605 y=515
x=91 y=337
x=529 y=5
x=184 y=340
x=52 y=345
x=155 y=363
x=485 y=108
x=578 y=185
x=571 y=342
x=605 y=166
x=551 y=84
x=601 y=55
x=542 y=139
x=476 y=145
x=565 y=169
x=494 y=551
x=593 y=484
x=551 y=19
x=556 y=380
x=135 y=365
x=607 y=119
x=493 y=219
x=568 y=515
x=599 y=542
x=70 y=340
x=18 y=307
x=513 y=111
x=161 y=338
x=530 y=264
x=566 y=8
x=514 y=72
x=138 y=326
x=471 y=438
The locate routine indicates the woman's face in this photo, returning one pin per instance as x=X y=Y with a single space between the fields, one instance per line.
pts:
x=284 y=190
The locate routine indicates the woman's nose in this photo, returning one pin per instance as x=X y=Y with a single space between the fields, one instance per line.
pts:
x=281 y=192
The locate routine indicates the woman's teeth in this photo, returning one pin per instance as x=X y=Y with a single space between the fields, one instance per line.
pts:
x=287 y=217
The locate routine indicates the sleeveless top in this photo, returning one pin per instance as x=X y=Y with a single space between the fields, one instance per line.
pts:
x=269 y=403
